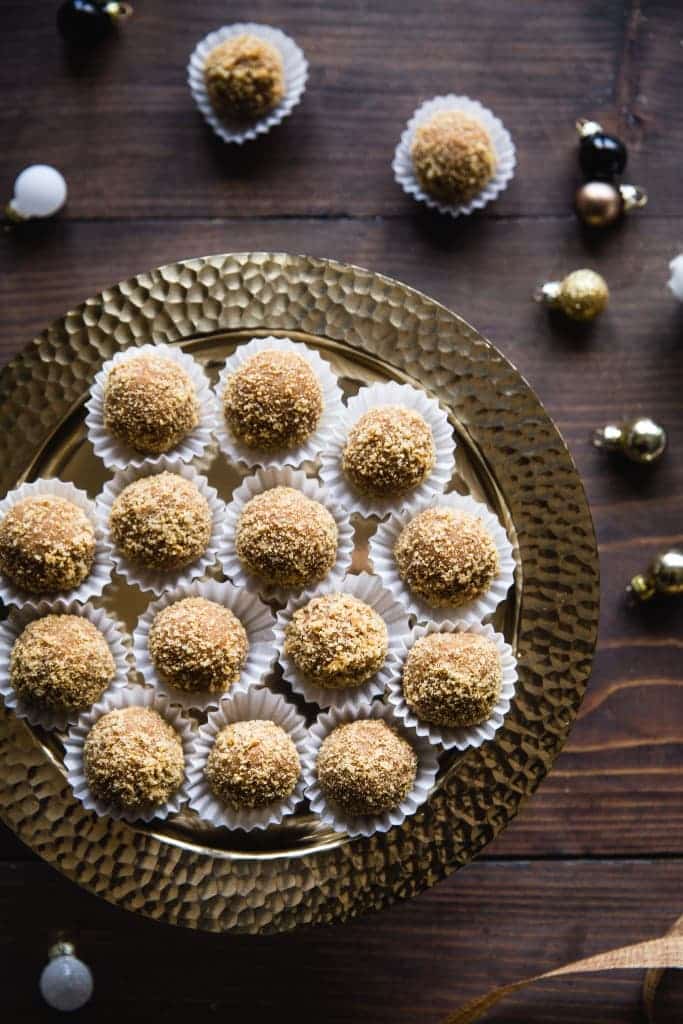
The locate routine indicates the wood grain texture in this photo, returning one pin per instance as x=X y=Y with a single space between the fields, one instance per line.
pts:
x=149 y=185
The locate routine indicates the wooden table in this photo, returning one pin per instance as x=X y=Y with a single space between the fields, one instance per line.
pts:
x=595 y=860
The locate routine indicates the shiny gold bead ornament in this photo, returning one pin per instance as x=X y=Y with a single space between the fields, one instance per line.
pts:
x=581 y=295
x=664 y=577
x=640 y=440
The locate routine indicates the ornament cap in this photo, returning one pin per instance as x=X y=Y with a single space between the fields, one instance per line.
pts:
x=585 y=127
x=118 y=12
x=61 y=948
x=633 y=197
x=548 y=294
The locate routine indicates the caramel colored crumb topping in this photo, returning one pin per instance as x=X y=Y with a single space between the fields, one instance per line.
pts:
x=453 y=156
x=389 y=451
x=336 y=641
x=366 y=767
x=273 y=401
x=150 y=403
x=286 y=538
x=161 y=522
x=446 y=557
x=198 y=645
x=244 y=77
x=133 y=759
x=453 y=679
x=61 y=663
x=252 y=764
x=47 y=544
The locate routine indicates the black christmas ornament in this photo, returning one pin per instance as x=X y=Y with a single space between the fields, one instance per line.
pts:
x=87 y=22
x=602 y=157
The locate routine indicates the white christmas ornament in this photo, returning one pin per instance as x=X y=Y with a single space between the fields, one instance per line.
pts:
x=39 y=191
x=675 y=282
x=66 y=982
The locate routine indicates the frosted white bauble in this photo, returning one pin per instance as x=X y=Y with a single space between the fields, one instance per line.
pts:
x=66 y=983
x=39 y=191
x=676 y=280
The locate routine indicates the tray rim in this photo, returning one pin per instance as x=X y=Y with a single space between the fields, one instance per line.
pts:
x=283 y=262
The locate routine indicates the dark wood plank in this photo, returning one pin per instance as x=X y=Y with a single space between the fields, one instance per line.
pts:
x=123 y=127
x=491 y=924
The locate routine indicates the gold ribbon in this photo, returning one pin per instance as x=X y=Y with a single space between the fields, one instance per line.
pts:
x=656 y=955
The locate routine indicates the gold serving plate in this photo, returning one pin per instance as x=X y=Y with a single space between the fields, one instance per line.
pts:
x=509 y=453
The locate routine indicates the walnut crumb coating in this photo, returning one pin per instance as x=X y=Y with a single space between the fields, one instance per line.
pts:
x=150 y=403
x=453 y=156
x=252 y=764
x=244 y=77
x=61 y=663
x=161 y=522
x=133 y=759
x=446 y=557
x=337 y=641
x=389 y=451
x=273 y=401
x=366 y=767
x=286 y=538
x=198 y=645
x=453 y=679
x=47 y=544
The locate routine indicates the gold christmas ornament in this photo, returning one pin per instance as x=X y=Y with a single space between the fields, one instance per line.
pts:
x=600 y=203
x=581 y=295
x=640 y=440
x=665 y=576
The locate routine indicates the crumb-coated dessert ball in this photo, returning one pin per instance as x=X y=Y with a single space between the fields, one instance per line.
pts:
x=150 y=403
x=133 y=758
x=252 y=764
x=161 y=522
x=61 y=663
x=452 y=679
x=366 y=767
x=47 y=544
x=198 y=645
x=388 y=451
x=286 y=538
x=446 y=557
x=273 y=401
x=453 y=156
x=244 y=77
x=336 y=641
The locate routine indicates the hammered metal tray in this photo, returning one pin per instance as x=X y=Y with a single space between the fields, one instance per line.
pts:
x=510 y=454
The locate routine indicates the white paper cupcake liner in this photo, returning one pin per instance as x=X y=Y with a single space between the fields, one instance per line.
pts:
x=117 y=455
x=100 y=573
x=132 y=696
x=149 y=579
x=264 y=480
x=381 y=553
x=500 y=138
x=474 y=735
x=256 y=618
x=295 y=74
x=366 y=588
x=12 y=628
x=243 y=705
x=316 y=443
x=372 y=397
x=367 y=825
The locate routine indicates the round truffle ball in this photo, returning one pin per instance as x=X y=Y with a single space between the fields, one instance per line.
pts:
x=286 y=538
x=388 y=451
x=336 y=641
x=273 y=401
x=150 y=403
x=366 y=767
x=61 y=663
x=133 y=759
x=244 y=77
x=446 y=557
x=161 y=522
x=198 y=645
x=453 y=156
x=252 y=764
x=47 y=544
x=452 y=679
